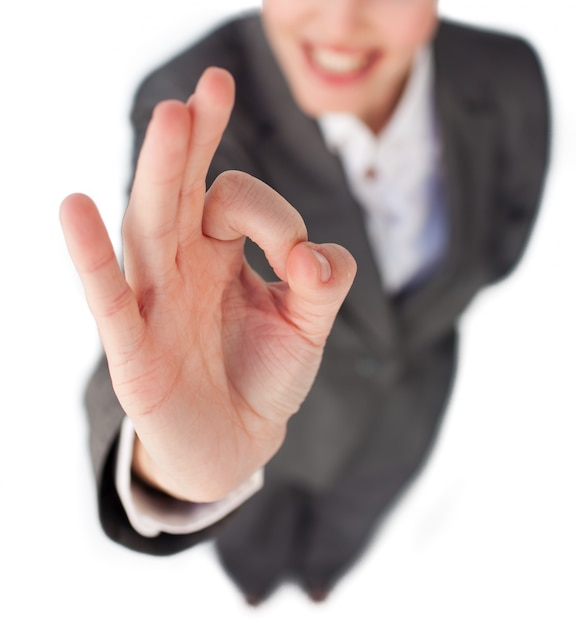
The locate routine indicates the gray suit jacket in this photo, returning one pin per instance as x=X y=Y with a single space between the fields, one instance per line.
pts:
x=376 y=405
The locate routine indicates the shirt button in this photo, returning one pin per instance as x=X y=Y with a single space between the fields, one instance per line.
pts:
x=370 y=174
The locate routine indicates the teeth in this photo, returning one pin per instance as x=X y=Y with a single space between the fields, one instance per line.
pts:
x=338 y=62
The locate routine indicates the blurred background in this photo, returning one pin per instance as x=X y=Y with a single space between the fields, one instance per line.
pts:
x=486 y=535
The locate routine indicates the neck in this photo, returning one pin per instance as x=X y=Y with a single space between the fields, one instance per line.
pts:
x=378 y=117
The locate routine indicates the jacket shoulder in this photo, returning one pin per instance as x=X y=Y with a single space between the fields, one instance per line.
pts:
x=490 y=44
x=487 y=61
x=224 y=46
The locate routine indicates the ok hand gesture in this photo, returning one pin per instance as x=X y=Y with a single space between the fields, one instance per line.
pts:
x=207 y=359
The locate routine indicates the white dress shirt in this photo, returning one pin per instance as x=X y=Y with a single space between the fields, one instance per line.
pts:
x=396 y=178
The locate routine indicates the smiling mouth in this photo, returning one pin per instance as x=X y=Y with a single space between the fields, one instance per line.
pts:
x=339 y=63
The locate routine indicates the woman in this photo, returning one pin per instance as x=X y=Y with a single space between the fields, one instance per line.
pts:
x=417 y=145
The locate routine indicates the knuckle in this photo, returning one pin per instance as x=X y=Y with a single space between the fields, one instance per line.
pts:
x=232 y=186
x=116 y=304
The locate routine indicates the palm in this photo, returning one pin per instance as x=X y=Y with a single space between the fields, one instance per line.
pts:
x=207 y=360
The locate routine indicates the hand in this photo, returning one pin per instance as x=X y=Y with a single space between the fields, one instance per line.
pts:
x=207 y=359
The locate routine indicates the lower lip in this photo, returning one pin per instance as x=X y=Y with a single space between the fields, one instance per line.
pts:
x=334 y=78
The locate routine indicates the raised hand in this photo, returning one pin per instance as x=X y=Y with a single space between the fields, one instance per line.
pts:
x=207 y=359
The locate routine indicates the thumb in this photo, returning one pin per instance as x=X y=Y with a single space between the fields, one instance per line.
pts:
x=319 y=277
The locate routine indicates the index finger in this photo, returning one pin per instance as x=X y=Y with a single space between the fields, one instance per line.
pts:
x=240 y=205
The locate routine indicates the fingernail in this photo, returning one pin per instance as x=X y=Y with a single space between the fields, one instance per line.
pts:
x=325 y=268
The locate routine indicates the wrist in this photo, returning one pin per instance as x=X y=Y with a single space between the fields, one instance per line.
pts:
x=147 y=471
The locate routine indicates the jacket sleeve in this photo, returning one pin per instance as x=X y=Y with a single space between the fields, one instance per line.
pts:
x=523 y=155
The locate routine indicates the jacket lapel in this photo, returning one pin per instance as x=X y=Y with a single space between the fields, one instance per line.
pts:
x=467 y=127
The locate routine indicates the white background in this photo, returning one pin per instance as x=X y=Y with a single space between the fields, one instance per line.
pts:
x=486 y=536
